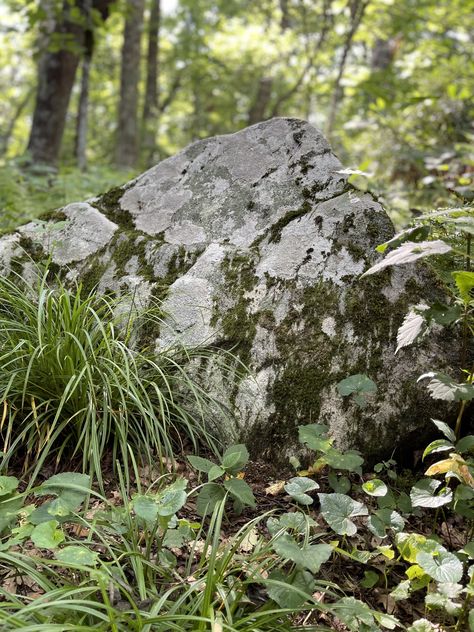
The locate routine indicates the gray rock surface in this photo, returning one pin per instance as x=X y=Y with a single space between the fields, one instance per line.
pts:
x=256 y=242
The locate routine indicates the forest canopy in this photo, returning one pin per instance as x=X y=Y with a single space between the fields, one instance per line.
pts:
x=390 y=83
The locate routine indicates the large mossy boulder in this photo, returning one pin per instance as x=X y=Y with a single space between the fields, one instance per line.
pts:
x=256 y=242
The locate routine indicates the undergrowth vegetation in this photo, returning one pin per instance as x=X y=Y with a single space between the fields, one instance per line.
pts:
x=335 y=546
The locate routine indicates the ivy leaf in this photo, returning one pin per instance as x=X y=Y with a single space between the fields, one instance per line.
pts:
x=423 y=494
x=375 y=487
x=358 y=383
x=241 y=491
x=235 y=458
x=441 y=566
x=77 y=556
x=408 y=252
x=297 y=488
x=47 y=536
x=413 y=324
x=338 y=509
x=310 y=556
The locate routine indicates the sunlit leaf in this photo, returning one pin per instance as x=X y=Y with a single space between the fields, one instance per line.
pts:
x=408 y=252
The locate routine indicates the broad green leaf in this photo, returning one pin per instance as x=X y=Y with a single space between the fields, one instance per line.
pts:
x=422 y=625
x=349 y=460
x=442 y=566
x=47 y=536
x=468 y=549
x=410 y=544
x=354 y=613
x=200 y=464
x=338 y=509
x=465 y=283
x=339 y=484
x=443 y=314
x=235 y=458
x=145 y=508
x=383 y=519
x=77 y=555
x=466 y=444
x=285 y=594
x=8 y=484
x=439 y=445
x=423 y=494
x=297 y=521
x=375 y=487
x=71 y=487
x=216 y=471
x=445 y=429
x=315 y=437
x=408 y=252
x=240 y=490
x=310 y=556
x=358 y=383
x=9 y=509
x=412 y=326
x=208 y=497
x=172 y=498
x=297 y=488
x=370 y=579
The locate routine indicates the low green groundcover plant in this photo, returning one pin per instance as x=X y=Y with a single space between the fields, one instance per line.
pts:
x=77 y=381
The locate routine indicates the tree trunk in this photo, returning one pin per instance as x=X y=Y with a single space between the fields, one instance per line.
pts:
x=127 y=148
x=358 y=8
x=262 y=100
x=56 y=74
x=150 y=106
x=82 y=111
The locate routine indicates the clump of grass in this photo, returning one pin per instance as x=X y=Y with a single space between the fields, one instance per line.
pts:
x=73 y=386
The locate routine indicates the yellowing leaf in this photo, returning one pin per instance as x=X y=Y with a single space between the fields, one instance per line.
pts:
x=275 y=488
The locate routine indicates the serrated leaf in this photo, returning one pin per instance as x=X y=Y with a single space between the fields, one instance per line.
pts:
x=235 y=458
x=338 y=509
x=208 y=497
x=441 y=566
x=297 y=488
x=375 y=487
x=200 y=464
x=359 y=383
x=418 y=233
x=47 y=536
x=310 y=556
x=77 y=555
x=442 y=387
x=409 y=252
x=465 y=283
x=423 y=494
x=240 y=490
x=412 y=326
x=445 y=429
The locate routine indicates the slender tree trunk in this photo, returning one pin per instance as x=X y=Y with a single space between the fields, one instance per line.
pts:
x=150 y=105
x=358 y=8
x=7 y=134
x=262 y=99
x=82 y=112
x=56 y=74
x=127 y=148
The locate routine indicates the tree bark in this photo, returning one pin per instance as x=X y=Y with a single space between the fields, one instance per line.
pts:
x=150 y=105
x=82 y=111
x=56 y=74
x=357 y=8
x=127 y=147
x=262 y=99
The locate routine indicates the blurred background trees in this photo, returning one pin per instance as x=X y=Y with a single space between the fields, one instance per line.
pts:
x=94 y=90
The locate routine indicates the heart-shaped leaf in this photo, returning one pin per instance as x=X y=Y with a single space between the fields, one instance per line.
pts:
x=375 y=487
x=47 y=536
x=423 y=494
x=297 y=488
x=338 y=509
x=310 y=556
x=442 y=566
x=77 y=555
